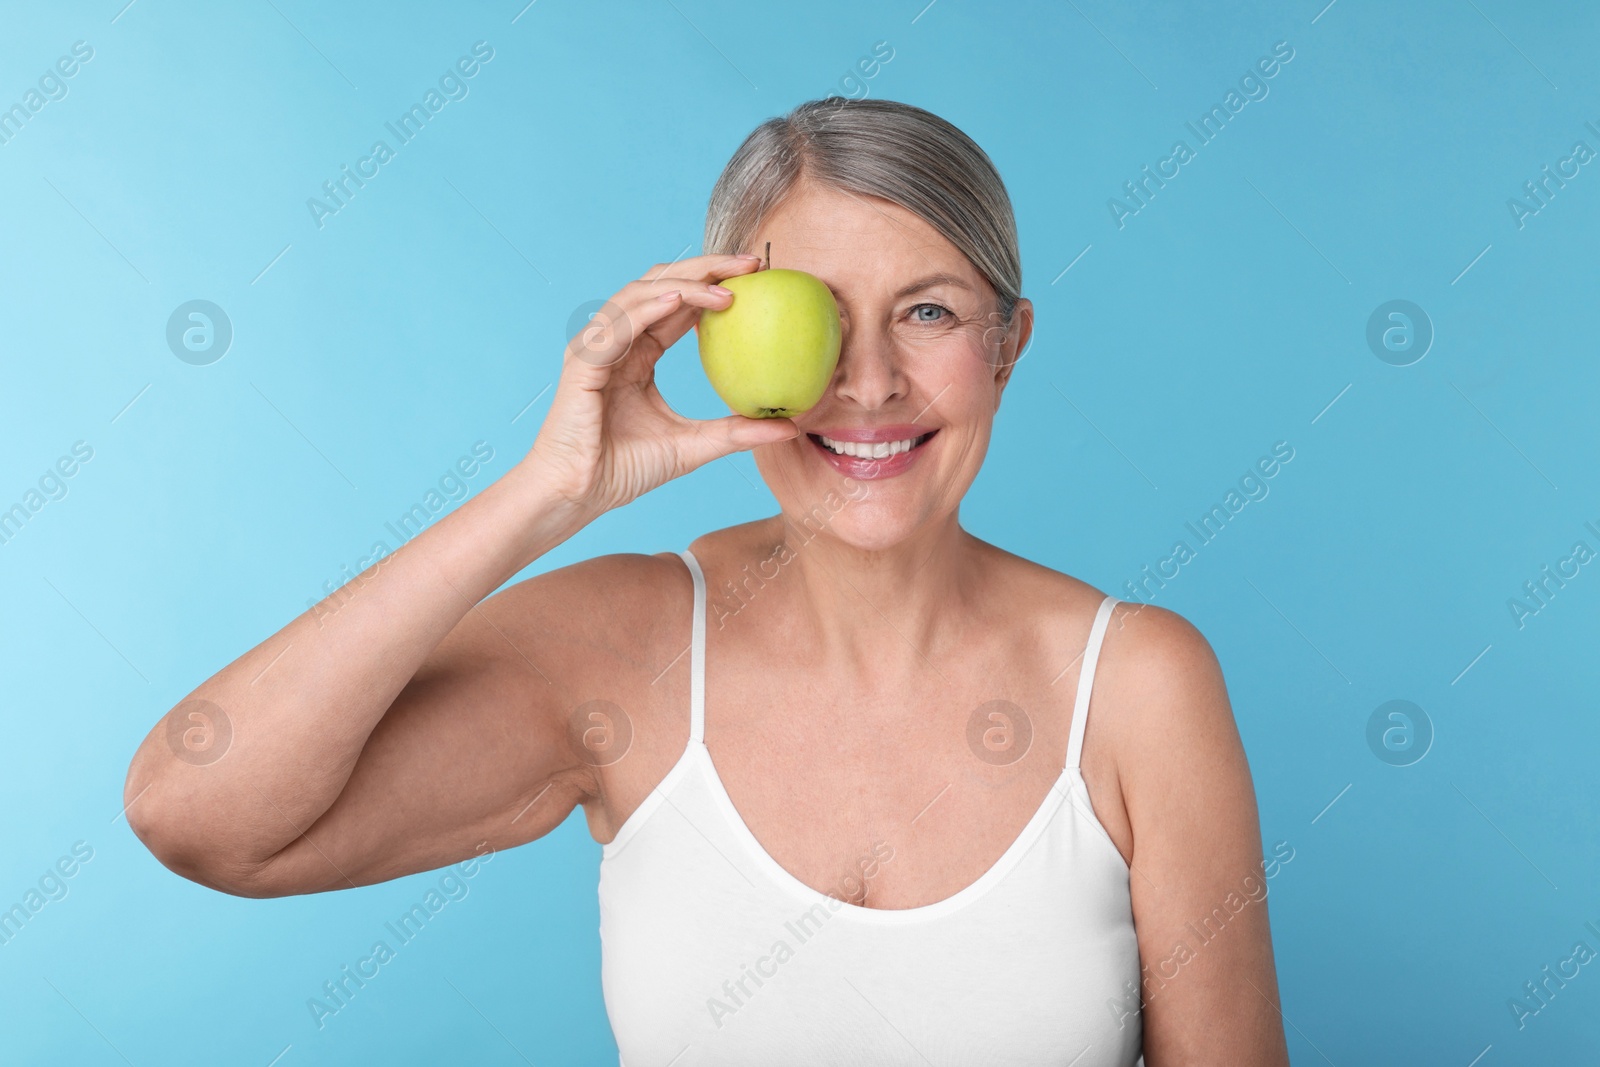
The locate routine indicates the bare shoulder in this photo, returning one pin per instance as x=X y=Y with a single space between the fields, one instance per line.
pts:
x=1180 y=763
x=1153 y=641
x=1056 y=598
x=602 y=612
x=1158 y=646
x=1162 y=672
x=1159 y=695
x=592 y=645
x=604 y=576
x=1194 y=837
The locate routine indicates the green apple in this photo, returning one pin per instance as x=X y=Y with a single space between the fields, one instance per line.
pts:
x=771 y=353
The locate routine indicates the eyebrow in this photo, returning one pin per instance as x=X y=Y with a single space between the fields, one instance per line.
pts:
x=930 y=281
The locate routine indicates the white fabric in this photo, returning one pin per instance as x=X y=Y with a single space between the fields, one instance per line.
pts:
x=713 y=954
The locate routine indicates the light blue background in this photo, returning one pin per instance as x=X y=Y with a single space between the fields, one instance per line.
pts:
x=1228 y=314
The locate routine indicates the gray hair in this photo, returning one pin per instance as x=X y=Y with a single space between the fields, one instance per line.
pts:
x=880 y=148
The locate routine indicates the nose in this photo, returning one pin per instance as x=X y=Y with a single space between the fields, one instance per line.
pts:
x=870 y=373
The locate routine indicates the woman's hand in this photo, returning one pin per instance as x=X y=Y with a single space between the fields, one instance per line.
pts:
x=609 y=437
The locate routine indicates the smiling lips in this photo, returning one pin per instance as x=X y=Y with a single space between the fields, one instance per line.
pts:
x=872 y=452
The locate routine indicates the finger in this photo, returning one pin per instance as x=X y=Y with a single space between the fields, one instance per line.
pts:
x=645 y=290
x=637 y=309
x=684 y=301
x=694 y=276
x=606 y=336
x=714 y=438
x=615 y=331
x=693 y=299
x=704 y=268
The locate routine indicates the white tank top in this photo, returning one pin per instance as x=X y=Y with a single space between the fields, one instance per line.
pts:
x=713 y=954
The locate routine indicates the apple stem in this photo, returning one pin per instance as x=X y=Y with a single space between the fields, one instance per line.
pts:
x=768 y=264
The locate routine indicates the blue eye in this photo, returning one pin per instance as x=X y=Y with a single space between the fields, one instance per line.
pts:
x=933 y=307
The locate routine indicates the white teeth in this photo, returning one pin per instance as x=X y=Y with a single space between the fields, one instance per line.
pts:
x=872 y=450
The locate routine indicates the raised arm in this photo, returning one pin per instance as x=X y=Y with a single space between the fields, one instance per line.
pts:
x=1200 y=878
x=360 y=719
x=410 y=725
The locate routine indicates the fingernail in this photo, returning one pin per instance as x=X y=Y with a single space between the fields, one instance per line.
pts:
x=748 y=255
x=668 y=295
x=720 y=289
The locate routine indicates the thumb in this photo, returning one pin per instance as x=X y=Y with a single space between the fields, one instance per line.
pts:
x=716 y=438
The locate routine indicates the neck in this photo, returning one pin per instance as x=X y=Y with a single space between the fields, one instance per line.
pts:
x=879 y=611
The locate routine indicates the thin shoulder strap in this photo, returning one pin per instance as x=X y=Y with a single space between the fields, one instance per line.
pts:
x=697 y=652
x=1091 y=656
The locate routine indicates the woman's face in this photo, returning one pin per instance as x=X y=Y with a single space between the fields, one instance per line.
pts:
x=923 y=359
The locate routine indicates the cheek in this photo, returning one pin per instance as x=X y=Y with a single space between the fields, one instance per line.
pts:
x=981 y=344
x=960 y=370
x=962 y=403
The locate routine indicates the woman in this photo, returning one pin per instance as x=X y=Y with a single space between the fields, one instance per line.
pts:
x=840 y=759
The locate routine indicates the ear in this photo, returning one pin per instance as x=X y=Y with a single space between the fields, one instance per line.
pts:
x=1015 y=343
